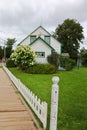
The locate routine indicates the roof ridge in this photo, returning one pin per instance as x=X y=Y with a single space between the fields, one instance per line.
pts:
x=42 y=28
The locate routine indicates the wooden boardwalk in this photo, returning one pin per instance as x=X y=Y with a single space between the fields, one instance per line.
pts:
x=14 y=115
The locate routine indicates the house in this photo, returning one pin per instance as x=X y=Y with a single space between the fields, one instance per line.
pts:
x=43 y=43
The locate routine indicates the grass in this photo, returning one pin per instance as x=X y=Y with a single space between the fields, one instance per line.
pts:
x=72 y=113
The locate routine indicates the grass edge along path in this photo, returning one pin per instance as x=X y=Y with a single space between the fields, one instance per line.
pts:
x=72 y=95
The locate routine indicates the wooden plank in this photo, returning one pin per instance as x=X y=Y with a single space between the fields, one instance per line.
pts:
x=21 y=114
x=14 y=114
x=23 y=125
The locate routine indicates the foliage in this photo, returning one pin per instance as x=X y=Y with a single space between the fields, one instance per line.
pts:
x=10 y=63
x=70 y=34
x=83 y=53
x=53 y=59
x=67 y=63
x=41 y=69
x=9 y=46
x=1 y=52
x=23 y=56
x=72 y=108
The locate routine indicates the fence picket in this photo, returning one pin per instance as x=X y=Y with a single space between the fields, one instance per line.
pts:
x=40 y=108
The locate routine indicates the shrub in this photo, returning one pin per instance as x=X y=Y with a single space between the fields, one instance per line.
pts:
x=41 y=69
x=10 y=63
x=23 y=56
x=67 y=63
x=84 y=57
x=53 y=59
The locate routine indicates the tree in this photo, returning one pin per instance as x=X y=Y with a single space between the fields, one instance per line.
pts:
x=70 y=34
x=83 y=53
x=9 y=46
x=1 y=52
x=23 y=56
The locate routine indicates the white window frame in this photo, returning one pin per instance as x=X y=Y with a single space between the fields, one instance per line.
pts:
x=40 y=54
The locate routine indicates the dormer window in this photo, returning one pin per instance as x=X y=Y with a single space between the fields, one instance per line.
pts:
x=32 y=38
x=47 y=39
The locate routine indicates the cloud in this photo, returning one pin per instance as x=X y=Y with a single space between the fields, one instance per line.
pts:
x=23 y=16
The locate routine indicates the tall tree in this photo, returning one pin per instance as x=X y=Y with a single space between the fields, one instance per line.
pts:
x=9 y=45
x=1 y=52
x=70 y=34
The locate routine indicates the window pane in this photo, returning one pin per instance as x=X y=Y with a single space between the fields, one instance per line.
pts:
x=47 y=39
x=32 y=38
x=40 y=54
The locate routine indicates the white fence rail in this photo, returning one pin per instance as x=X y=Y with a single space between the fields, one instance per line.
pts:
x=40 y=108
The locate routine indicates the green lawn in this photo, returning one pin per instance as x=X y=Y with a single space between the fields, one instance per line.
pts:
x=72 y=95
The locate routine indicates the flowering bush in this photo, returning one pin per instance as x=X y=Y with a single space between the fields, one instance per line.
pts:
x=23 y=56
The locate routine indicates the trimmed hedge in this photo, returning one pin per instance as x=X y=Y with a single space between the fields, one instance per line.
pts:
x=41 y=69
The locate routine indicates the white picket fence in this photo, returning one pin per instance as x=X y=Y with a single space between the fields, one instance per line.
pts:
x=40 y=108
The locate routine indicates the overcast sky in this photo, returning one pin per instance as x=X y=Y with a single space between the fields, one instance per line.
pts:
x=18 y=18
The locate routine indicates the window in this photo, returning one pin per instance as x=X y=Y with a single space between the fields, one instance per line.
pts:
x=32 y=38
x=40 y=54
x=47 y=39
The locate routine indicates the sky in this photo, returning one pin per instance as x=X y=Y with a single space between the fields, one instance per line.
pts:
x=18 y=18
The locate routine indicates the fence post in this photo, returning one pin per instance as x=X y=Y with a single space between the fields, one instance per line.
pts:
x=54 y=104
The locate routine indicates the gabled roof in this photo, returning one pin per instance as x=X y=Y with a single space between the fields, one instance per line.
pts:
x=42 y=28
x=34 y=31
x=43 y=41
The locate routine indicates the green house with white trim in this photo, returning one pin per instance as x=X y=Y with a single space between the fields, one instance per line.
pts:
x=42 y=43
